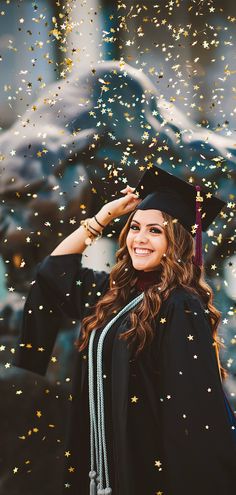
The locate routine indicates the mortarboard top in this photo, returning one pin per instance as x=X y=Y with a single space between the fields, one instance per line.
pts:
x=163 y=191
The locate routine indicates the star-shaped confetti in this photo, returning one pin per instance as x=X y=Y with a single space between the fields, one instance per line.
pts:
x=77 y=140
x=163 y=320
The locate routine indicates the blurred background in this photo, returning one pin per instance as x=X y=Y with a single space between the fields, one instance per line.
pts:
x=91 y=93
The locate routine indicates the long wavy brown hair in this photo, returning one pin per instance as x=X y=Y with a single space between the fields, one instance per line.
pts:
x=176 y=269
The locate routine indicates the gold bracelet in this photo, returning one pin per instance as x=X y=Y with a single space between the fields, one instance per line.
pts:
x=96 y=236
x=90 y=238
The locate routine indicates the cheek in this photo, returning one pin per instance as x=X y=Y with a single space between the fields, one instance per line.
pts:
x=161 y=247
x=165 y=245
x=128 y=241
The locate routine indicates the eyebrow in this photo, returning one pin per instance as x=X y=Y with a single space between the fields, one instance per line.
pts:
x=148 y=224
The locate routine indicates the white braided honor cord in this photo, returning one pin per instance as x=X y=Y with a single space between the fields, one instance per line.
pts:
x=98 y=447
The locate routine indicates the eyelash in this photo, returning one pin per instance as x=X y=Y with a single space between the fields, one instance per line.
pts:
x=158 y=231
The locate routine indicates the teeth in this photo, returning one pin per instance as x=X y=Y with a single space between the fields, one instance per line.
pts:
x=142 y=251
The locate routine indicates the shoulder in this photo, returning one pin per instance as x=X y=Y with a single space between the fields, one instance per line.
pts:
x=182 y=298
x=184 y=313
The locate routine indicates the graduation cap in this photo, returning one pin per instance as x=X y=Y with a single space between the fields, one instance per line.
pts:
x=193 y=206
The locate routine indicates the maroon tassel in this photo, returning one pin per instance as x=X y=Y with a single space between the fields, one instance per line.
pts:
x=198 y=246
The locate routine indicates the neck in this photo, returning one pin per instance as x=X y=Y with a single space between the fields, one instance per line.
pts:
x=147 y=279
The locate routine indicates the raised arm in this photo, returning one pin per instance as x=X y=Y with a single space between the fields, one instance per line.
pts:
x=79 y=240
x=84 y=235
x=61 y=276
x=63 y=285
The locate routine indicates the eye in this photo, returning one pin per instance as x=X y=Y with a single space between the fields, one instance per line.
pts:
x=156 y=230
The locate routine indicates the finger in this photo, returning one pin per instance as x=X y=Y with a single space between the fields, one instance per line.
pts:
x=131 y=198
x=127 y=188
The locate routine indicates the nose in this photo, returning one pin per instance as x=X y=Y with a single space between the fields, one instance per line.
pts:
x=140 y=237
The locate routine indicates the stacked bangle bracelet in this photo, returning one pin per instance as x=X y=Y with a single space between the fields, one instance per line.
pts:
x=91 y=231
x=95 y=218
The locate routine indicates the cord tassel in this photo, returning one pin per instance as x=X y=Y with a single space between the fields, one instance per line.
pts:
x=92 y=487
x=104 y=491
x=198 y=245
x=98 y=447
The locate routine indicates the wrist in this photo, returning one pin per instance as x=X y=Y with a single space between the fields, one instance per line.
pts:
x=91 y=233
x=104 y=216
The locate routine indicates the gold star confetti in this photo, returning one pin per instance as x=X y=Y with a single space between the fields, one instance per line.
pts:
x=178 y=127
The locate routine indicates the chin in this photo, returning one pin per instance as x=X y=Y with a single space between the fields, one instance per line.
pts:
x=142 y=266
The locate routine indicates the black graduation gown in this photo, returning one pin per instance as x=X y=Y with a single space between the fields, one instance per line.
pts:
x=167 y=425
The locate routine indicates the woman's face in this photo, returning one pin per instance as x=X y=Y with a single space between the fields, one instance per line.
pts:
x=146 y=240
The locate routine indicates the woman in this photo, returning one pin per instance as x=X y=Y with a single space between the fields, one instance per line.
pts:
x=149 y=415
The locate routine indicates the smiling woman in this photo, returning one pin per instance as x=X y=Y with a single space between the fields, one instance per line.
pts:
x=149 y=413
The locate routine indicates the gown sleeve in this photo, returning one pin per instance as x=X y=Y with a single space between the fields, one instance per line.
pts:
x=198 y=441
x=61 y=287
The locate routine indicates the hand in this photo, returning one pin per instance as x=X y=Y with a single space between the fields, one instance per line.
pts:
x=123 y=205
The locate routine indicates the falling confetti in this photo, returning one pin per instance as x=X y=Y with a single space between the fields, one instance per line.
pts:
x=74 y=133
